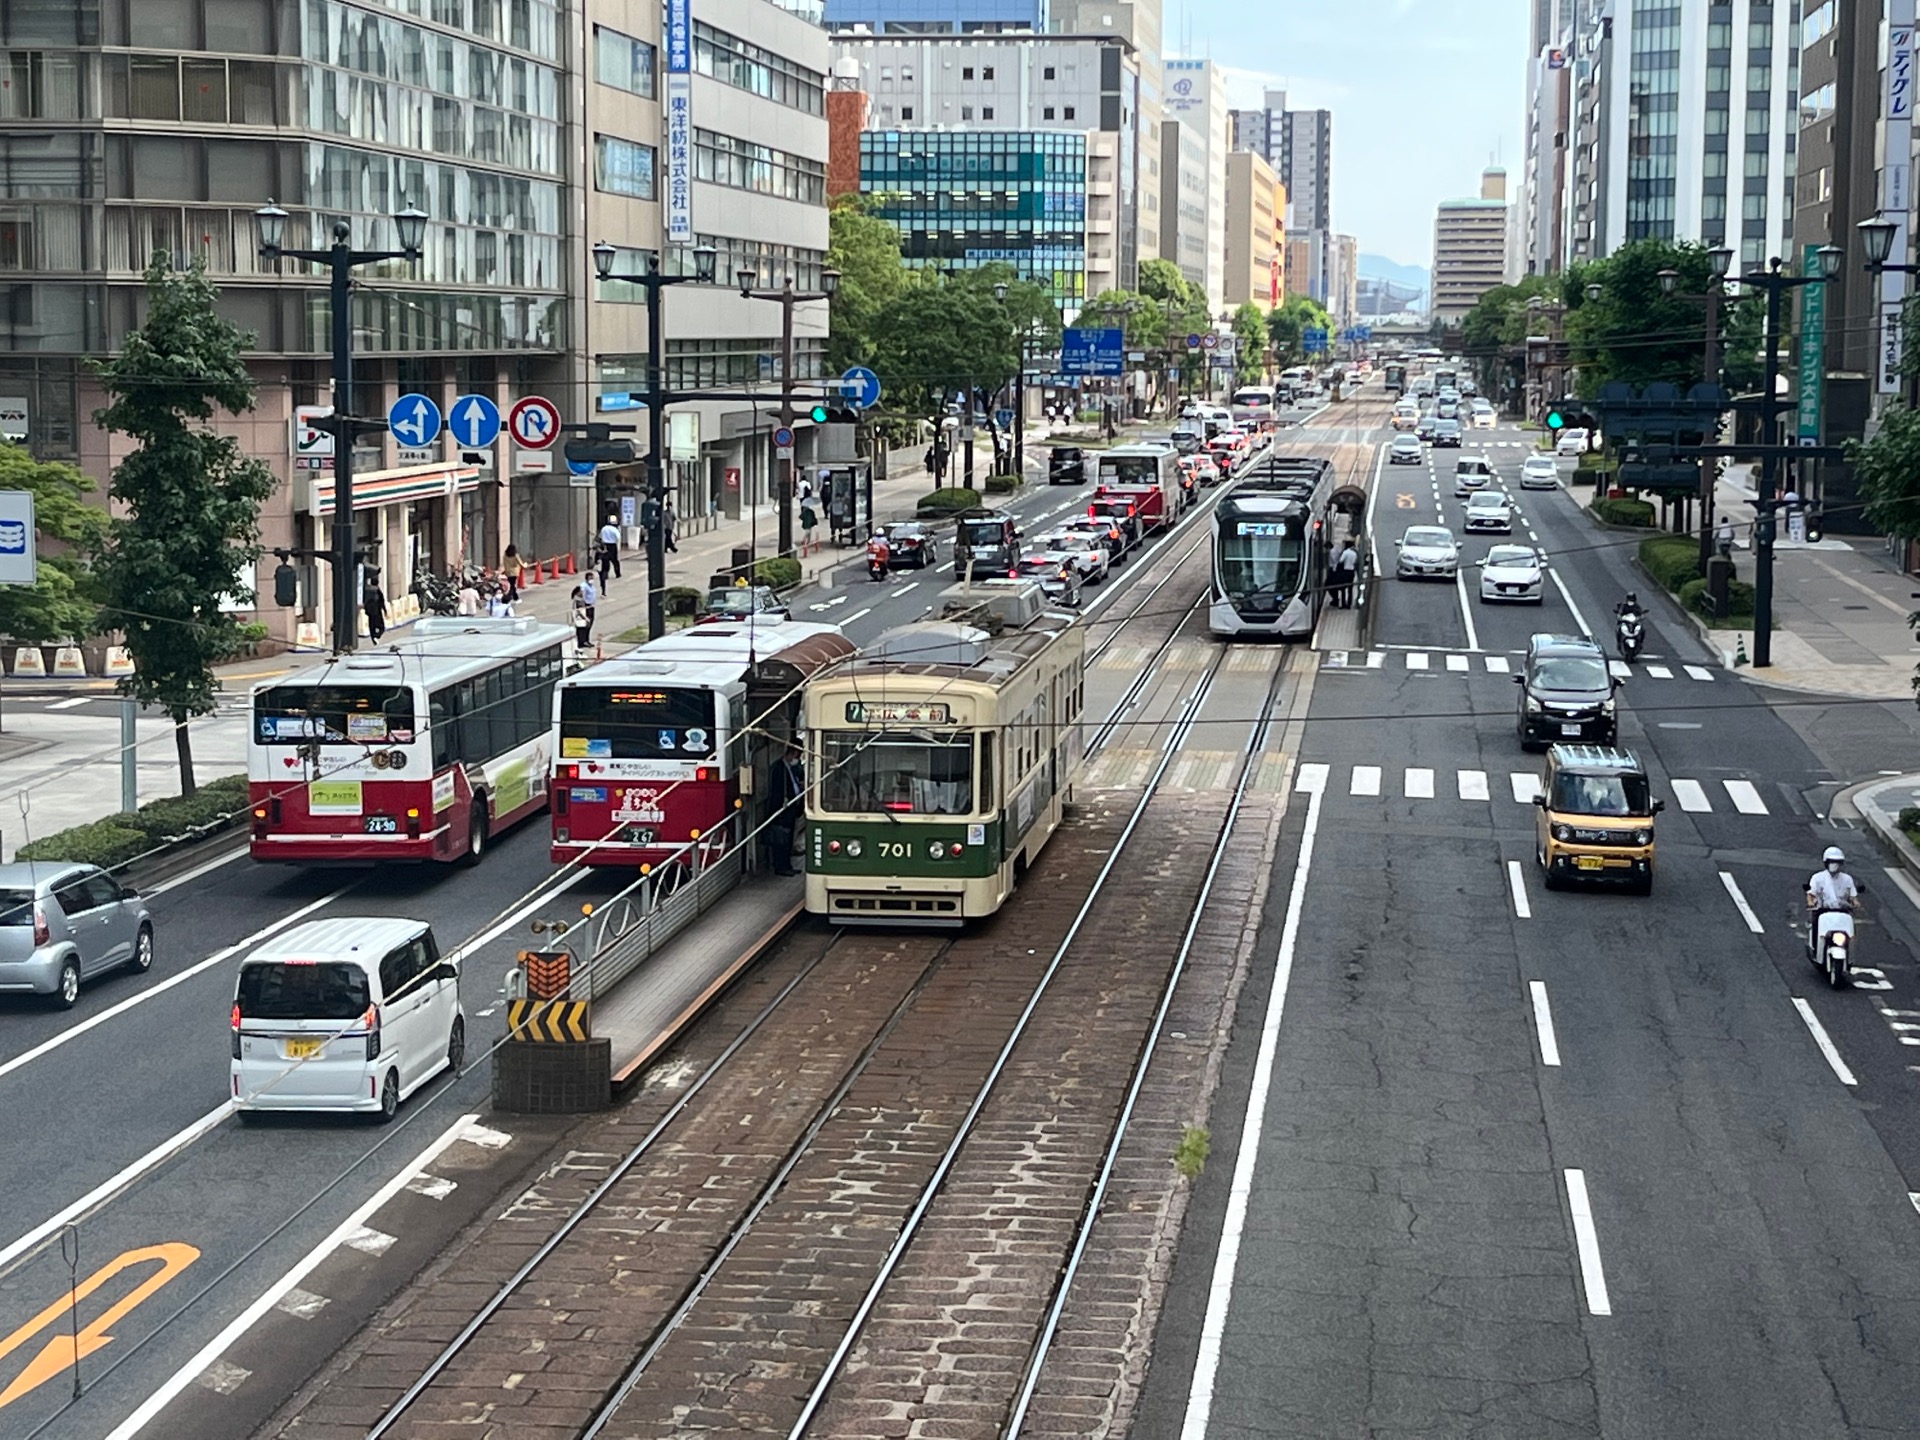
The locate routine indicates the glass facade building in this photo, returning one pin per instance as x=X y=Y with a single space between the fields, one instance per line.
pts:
x=965 y=198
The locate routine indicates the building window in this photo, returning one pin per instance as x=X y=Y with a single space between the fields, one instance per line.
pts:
x=622 y=62
x=1067 y=113
x=966 y=112
x=1046 y=112
x=906 y=112
x=986 y=72
x=623 y=167
x=986 y=112
x=966 y=72
x=1046 y=72
x=742 y=165
x=746 y=66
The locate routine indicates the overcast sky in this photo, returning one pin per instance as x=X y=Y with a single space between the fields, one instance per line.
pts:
x=1424 y=93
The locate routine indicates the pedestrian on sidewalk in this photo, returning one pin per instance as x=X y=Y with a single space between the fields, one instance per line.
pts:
x=469 y=596
x=510 y=567
x=669 y=522
x=582 y=619
x=589 y=596
x=1348 y=562
x=1723 y=537
x=609 y=549
x=374 y=601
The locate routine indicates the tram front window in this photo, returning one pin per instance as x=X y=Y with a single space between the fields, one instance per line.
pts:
x=917 y=772
x=1260 y=557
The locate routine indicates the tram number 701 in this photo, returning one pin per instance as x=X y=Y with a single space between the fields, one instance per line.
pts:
x=896 y=849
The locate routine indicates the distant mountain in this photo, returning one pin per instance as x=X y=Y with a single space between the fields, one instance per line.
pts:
x=1378 y=267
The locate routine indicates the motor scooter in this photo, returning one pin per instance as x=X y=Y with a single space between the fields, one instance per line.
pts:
x=1631 y=630
x=1830 y=945
x=876 y=568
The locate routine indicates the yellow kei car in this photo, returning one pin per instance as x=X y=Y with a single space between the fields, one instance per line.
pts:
x=1596 y=818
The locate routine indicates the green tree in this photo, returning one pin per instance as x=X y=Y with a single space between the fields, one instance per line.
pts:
x=1250 y=336
x=1886 y=466
x=1287 y=322
x=62 y=603
x=192 y=497
x=1637 y=334
x=936 y=338
x=865 y=249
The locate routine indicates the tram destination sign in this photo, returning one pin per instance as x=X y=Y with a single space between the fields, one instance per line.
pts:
x=867 y=712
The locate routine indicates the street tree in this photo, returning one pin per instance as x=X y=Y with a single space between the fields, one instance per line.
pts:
x=1288 y=323
x=192 y=498
x=1636 y=333
x=865 y=249
x=1250 y=343
x=938 y=337
x=1886 y=466
x=62 y=603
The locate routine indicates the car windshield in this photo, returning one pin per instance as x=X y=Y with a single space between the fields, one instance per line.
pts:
x=732 y=602
x=1428 y=538
x=915 y=772
x=282 y=990
x=981 y=534
x=1619 y=795
x=1569 y=672
x=1502 y=559
x=1487 y=502
x=606 y=722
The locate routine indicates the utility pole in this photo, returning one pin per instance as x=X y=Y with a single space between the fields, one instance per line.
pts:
x=787 y=297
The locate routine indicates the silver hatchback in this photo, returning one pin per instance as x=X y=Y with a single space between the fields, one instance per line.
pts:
x=61 y=924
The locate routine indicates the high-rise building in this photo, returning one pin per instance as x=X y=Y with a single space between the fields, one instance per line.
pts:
x=1196 y=99
x=1343 y=280
x=1255 y=231
x=1138 y=23
x=1836 y=174
x=1299 y=146
x=1469 y=248
x=931 y=17
x=1020 y=83
x=1183 y=198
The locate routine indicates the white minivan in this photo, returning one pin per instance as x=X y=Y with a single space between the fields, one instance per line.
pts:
x=351 y=1014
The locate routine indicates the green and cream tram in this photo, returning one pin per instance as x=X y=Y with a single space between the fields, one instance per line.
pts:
x=939 y=761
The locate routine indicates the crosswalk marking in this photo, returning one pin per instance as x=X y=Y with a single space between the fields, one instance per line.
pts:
x=1619 y=669
x=1526 y=785
x=1698 y=672
x=1659 y=672
x=1312 y=779
x=1366 y=780
x=1473 y=785
x=1419 y=784
x=1376 y=659
x=1497 y=665
x=1461 y=662
x=1745 y=798
x=1691 y=795
x=1416 y=660
x=1456 y=662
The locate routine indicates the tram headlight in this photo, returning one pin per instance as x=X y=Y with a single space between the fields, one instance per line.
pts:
x=854 y=847
x=935 y=850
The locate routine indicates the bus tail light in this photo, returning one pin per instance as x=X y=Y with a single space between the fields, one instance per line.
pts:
x=372 y=1021
x=413 y=824
x=833 y=847
x=703 y=772
x=570 y=772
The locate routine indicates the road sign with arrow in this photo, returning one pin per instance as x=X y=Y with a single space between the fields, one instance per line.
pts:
x=474 y=421
x=414 y=421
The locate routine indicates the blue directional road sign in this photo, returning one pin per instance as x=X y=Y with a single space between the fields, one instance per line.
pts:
x=1093 y=352
x=1314 y=341
x=414 y=421
x=861 y=387
x=581 y=467
x=1193 y=342
x=474 y=421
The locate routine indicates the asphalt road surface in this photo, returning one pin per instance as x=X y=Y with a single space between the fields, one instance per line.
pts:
x=1538 y=1165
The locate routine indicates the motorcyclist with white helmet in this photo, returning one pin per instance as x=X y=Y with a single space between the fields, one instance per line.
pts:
x=1831 y=887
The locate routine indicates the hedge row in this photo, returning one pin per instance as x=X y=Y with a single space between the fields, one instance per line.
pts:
x=1624 y=512
x=1739 y=615
x=779 y=571
x=683 y=599
x=1002 y=484
x=119 y=838
x=944 y=501
x=1672 y=560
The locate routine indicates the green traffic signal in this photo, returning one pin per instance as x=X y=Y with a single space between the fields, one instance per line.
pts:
x=1555 y=420
x=818 y=414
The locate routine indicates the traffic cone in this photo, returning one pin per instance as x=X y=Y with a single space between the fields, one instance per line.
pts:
x=1740 y=653
x=531 y=576
x=570 y=569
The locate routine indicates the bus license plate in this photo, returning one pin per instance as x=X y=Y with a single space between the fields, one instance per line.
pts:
x=379 y=825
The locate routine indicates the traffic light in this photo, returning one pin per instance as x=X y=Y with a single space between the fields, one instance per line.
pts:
x=818 y=414
x=286 y=585
x=1555 y=420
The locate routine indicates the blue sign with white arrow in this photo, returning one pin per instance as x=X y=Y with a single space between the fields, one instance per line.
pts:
x=861 y=387
x=414 y=421
x=474 y=421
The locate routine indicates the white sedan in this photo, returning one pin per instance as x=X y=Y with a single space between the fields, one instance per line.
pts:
x=1089 y=554
x=1571 y=442
x=1490 y=510
x=1427 y=550
x=1511 y=573
x=1538 y=472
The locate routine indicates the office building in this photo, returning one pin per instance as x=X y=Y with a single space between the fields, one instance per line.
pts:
x=1836 y=177
x=1195 y=98
x=965 y=198
x=1255 y=232
x=1183 y=198
x=1343 y=280
x=1469 y=248
x=1299 y=146
x=1019 y=83
x=931 y=17
x=1138 y=23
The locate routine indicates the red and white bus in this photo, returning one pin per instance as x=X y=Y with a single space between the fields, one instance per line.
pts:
x=665 y=754
x=1145 y=476
x=420 y=750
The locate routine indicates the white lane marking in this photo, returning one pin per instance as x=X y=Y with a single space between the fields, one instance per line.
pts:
x=480 y=942
x=1517 y=883
x=1566 y=595
x=1692 y=795
x=194 y=874
x=1740 y=903
x=1587 y=1240
x=1825 y=1042
x=1473 y=784
x=1366 y=780
x=1419 y=784
x=1907 y=887
x=1312 y=779
x=1375 y=659
x=1659 y=672
x=946 y=569
x=274 y=1293
x=1745 y=798
x=1697 y=672
x=74 y=1032
x=856 y=615
x=1543 y=1022
x=1416 y=660
x=108 y=1188
x=910 y=585
x=1619 y=669
x=1213 y=1325
x=1525 y=785
x=74 y=703
x=1679 y=725
x=1457 y=662
x=1466 y=610
x=1497 y=665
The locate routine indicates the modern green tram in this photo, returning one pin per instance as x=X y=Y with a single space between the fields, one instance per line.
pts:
x=939 y=763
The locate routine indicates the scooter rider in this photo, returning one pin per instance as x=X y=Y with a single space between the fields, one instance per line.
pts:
x=877 y=555
x=1831 y=887
x=1628 y=606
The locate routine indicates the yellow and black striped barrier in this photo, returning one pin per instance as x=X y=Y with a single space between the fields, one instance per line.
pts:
x=552 y=1022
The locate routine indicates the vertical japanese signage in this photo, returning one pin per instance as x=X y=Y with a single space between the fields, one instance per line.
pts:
x=1896 y=182
x=1813 y=348
x=680 y=122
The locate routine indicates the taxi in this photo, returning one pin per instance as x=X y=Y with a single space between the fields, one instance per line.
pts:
x=1596 y=818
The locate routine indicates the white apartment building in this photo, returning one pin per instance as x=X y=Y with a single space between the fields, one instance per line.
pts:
x=1195 y=96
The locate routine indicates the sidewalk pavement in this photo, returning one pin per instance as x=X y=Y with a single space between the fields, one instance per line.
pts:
x=1841 y=609
x=1878 y=804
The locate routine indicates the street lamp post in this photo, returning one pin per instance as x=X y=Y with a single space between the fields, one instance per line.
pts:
x=787 y=297
x=1718 y=260
x=1775 y=283
x=341 y=258
x=653 y=280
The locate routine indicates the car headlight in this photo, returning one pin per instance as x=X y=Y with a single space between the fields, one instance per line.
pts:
x=1562 y=833
x=1534 y=707
x=1643 y=837
x=1607 y=707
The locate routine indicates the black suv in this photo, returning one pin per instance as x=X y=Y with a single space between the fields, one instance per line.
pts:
x=1566 y=693
x=1066 y=465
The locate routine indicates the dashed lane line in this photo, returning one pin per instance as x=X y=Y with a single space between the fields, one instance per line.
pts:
x=1740 y=903
x=1825 y=1042
x=1587 y=1241
x=1517 y=883
x=1543 y=1022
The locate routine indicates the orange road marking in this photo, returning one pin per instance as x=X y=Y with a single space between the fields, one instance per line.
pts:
x=56 y=1357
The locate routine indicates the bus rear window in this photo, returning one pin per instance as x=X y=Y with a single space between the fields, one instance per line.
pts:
x=607 y=722
x=335 y=714
x=1130 y=469
x=276 y=990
